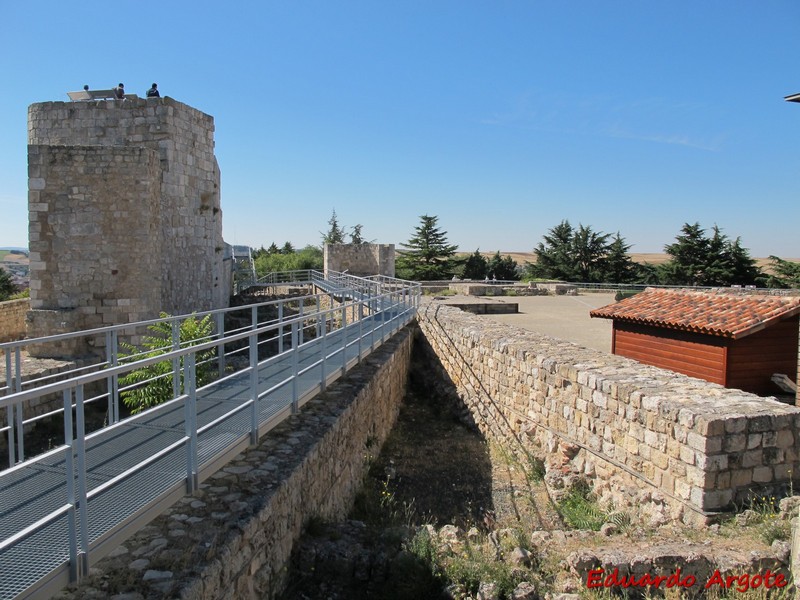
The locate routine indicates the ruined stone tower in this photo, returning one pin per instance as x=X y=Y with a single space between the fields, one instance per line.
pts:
x=125 y=218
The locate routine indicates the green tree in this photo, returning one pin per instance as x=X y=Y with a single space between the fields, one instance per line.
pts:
x=7 y=287
x=287 y=248
x=335 y=233
x=504 y=269
x=619 y=268
x=273 y=249
x=428 y=255
x=588 y=252
x=310 y=257
x=153 y=385
x=554 y=255
x=356 y=237
x=785 y=273
x=475 y=267
x=689 y=257
x=697 y=259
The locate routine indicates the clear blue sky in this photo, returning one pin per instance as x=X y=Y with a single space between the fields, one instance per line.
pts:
x=502 y=118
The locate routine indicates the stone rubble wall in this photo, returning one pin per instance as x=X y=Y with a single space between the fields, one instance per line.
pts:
x=233 y=538
x=644 y=435
x=125 y=195
x=12 y=319
x=360 y=259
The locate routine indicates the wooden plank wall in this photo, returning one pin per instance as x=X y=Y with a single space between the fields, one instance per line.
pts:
x=753 y=359
x=692 y=354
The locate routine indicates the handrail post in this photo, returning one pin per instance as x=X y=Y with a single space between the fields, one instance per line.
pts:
x=360 y=328
x=112 y=385
x=69 y=467
x=11 y=442
x=190 y=423
x=280 y=326
x=324 y=350
x=220 y=318
x=302 y=324
x=295 y=366
x=10 y=412
x=176 y=362
x=254 y=389
x=83 y=509
x=318 y=311
x=18 y=411
x=344 y=338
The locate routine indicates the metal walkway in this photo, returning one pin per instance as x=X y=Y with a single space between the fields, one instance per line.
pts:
x=64 y=510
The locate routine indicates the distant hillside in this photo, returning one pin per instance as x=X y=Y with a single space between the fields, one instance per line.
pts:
x=14 y=249
x=640 y=257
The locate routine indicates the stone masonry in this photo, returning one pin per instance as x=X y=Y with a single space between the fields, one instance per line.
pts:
x=12 y=319
x=360 y=259
x=125 y=219
x=646 y=437
x=233 y=538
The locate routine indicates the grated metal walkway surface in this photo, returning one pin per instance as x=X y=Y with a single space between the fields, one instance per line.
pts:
x=36 y=488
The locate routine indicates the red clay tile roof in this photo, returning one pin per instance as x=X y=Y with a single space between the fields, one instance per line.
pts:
x=712 y=313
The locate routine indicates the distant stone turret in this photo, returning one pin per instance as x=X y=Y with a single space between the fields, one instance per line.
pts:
x=125 y=216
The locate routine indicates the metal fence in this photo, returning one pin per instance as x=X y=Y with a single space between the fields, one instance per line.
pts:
x=71 y=505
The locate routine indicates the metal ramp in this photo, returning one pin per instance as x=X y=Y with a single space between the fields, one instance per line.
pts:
x=66 y=509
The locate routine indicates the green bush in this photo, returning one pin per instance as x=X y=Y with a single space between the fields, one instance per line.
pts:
x=153 y=384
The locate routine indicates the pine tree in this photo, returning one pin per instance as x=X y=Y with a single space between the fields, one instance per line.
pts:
x=356 y=237
x=708 y=261
x=554 y=255
x=689 y=257
x=504 y=269
x=428 y=255
x=335 y=234
x=589 y=250
x=619 y=268
x=785 y=273
x=475 y=266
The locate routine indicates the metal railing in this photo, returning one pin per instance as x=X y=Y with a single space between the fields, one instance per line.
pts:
x=65 y=509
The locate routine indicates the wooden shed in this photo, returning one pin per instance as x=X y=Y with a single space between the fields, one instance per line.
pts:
x=733 y=339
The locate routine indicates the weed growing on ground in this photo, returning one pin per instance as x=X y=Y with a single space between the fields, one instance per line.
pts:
x=462 y=569
x=580 y=510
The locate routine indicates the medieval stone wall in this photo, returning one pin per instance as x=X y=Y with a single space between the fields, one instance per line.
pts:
x=233 y=538
x=360 y=259
x=12 y=319
x=667 y=444
x=125 y=213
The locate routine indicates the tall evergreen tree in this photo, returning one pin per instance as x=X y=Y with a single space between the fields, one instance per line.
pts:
x=619 y=268
x=502 y=268
x=356 y=237
x=554 y=255
x=785 y=273
x=335 y=233
x=475 y=267
x=428 y=255
x=689 y=256
x=589 y=250
x=697 y=259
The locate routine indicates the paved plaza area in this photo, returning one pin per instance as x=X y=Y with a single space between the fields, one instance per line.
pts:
x=563 y=317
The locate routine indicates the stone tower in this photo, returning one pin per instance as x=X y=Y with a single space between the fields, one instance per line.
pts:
x=125 y=218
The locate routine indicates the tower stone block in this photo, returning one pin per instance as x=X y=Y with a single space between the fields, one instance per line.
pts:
x=125 y=218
